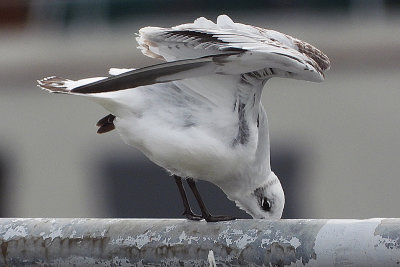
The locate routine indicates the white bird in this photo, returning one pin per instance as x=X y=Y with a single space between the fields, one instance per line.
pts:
x=199 y=114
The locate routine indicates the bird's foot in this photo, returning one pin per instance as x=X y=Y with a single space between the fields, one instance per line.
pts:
x=218 y=218
x=191 y=216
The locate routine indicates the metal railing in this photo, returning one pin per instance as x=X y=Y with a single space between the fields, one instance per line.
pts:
x=175 y=242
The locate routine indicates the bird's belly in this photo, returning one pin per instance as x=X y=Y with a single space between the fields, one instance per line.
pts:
x=188 y=152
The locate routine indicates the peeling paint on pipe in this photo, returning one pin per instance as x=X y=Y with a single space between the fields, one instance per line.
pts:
x=175 y=242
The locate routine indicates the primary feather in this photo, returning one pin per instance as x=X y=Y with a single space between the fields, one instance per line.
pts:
x=204 y=38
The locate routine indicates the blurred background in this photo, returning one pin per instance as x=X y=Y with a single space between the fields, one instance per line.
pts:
x=335 y=145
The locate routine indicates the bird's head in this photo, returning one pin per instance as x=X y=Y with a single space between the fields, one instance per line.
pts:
x=264 y=202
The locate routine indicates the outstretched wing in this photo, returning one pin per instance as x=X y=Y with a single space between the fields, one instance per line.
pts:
x=205 y=48
x=166 y=72
x=203 y=37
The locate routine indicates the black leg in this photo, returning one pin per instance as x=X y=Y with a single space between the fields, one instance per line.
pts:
x=188 y=213
x=204 y=212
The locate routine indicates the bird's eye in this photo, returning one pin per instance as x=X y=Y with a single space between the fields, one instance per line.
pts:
x=265 y=204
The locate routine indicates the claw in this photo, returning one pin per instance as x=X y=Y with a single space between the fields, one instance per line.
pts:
x=192 y=216
x=219 y=218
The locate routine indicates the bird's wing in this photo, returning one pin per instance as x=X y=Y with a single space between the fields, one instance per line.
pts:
x=160 y=73
x=204 y=48
x=298 y=59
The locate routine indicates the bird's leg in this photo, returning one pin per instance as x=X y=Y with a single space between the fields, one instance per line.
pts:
x=188 y=213
x=204 y=212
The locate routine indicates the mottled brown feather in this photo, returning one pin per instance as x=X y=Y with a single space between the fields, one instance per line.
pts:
x=54 y=84
x=316 y=55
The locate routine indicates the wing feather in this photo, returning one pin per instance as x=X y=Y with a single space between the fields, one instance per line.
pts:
x=164 y=72
x=234 y=63
x=203 y=38
x=204 y=48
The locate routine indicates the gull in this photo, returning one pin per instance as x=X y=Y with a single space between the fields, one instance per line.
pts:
x=198 y=114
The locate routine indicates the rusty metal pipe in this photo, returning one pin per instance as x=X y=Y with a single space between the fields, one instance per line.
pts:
x=174 y=242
